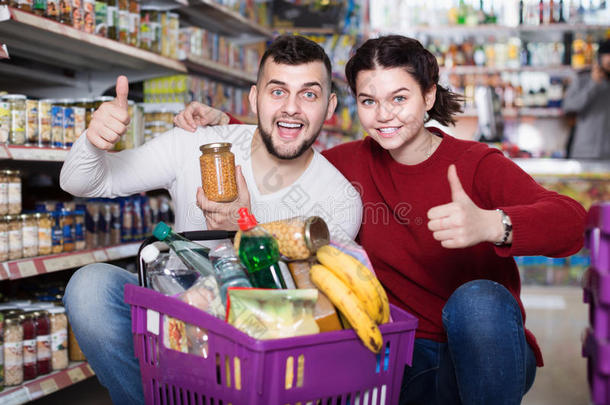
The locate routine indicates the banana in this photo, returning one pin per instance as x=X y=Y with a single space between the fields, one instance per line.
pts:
x=350 y=306
x=360 y=279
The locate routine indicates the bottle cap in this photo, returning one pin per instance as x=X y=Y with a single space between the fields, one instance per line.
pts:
x=161 y=230
x=246 y=220
x=149 y=254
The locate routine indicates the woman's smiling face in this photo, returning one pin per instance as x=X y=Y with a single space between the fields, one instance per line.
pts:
x=391 y=107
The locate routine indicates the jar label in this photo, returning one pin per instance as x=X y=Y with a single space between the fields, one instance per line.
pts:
x=59 y=340
x=3 y=243
x=79 y=233
x=79 y=121
x=3 y=193
x=18 y=120
x=30 y=237
x=29 y=352
x=52 y=8
x=111 y=13
x=14 y=240
x=124 y=20
x=44 y=237
x=43 y=344
x=14 y=193
x=68 y=234
x=57 y=236
x=14 y=354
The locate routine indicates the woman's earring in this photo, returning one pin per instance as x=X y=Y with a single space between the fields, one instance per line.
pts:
x=426 y=116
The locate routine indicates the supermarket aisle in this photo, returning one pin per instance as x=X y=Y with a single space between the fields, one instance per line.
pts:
x=557 y=316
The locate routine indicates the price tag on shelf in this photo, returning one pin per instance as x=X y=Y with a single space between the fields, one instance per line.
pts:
x=76 y=375
x=41 y=154
x=48 y=386
x=100 y=256
x=27 y=269
x=68 y=261
x=119 y=252
x=4 y=152
x=19 y=396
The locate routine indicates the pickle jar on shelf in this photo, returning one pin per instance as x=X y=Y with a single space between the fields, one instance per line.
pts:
x=17 y=115
x=29 y=232
x=14 y=191
x=45 y=229
x=3 y=239
x=4 y=179
x=217 y=164
x=15 y=243
x=13 y=350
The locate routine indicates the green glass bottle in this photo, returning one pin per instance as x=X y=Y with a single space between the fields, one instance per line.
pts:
x=193 y=255
x=259 y=252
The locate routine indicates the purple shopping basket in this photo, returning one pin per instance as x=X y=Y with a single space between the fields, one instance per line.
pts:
x=596 y=285
x=241 y=370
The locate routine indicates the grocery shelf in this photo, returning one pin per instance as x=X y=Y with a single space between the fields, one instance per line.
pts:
x=221 y=19
x=307 y=30
x=34 y=266
x=537 y=112
x=29 y=153
x=218 y=70
x=495 y=29
x=47 y=384
x=39 y=38
x=466 y=70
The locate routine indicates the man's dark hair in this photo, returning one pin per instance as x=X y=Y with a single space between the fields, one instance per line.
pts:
x=604 y=47
x=295 y=50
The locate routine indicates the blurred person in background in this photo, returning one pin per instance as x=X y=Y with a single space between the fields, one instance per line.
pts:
x=588 y=97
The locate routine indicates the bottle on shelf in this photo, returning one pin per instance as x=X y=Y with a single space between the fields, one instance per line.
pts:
x=259 y=252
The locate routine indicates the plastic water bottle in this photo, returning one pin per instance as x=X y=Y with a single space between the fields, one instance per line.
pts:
x=259 y=252
x=193 y=255
x=156 y=277
x=229 y=269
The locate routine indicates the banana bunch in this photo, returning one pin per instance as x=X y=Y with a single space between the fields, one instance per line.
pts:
x=355 y=291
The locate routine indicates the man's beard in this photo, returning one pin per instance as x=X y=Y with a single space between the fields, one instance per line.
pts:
x=268 y=141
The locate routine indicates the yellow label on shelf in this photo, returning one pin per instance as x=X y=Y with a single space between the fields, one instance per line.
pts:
x=26 y=269
x=68 y=262
x=49 y=386
x=76 y=375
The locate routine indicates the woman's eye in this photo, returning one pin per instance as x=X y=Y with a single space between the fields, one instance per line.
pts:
x=399 y=99
x=368 y=101
x=277 y=92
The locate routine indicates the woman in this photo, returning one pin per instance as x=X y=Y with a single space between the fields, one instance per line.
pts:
x=442 y=219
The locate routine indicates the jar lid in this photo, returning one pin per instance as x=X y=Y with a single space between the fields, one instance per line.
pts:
x=66 y=100
x=211 y=146
x=14 y=97
x=12 y=172
x=84 y=100
x=316 y=233
x=48 y=100
x=12 y=320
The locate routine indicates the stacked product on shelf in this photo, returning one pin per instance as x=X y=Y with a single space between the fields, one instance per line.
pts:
x=596 y=337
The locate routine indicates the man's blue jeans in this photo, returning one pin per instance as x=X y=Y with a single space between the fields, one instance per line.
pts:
x=486 y=359
x=102 y=324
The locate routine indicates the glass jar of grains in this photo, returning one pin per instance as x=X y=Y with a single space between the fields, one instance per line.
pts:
x=17 y=132
x=3 y=239
x=31 y=122
x=57 y=232
x=14 y=191
x=44 y=223
x=13 y=350
x=3 y=192
x=5 y=118
x=59 y=338
x=15 y=244
x=218 y=172
x=44 y=122
x=29 y=232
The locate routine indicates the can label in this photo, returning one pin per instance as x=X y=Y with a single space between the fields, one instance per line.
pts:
x=40 y=5
x=53 y=8
x=101 y=18
x=65 y=7
x=43 y=345
x=57 y=126
x=77 y=14
x=68 y=126
x=5 y=121
x=80 y=121
x=89 y=16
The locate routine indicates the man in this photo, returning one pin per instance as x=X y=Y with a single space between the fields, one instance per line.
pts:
x=279 y=176
x=589 y=97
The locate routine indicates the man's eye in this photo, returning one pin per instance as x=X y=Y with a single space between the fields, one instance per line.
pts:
x=310 y=95
x=277 y=92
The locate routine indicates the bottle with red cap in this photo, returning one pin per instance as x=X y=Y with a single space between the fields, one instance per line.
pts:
x=259 y=252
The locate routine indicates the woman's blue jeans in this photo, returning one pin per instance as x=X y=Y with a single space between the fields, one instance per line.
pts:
x=486 y=359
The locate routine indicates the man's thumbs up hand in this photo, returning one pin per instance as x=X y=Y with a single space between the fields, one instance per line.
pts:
x=461 y=223
x=109 y=122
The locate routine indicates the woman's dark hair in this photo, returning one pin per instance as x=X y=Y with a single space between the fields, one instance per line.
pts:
x=396 y=51
x=295 y=50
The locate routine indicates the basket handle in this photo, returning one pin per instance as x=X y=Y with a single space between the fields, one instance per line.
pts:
x=192 y=235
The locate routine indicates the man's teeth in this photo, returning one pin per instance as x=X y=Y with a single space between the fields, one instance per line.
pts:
x=388 y=130
x=289 y=125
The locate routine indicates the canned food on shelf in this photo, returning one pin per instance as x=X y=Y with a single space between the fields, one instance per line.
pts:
x=31 y=129
x=15 y=244
x=17 y=116
x=14 y=191
x=29 y=232
x=5 y=121
x=45 y=120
